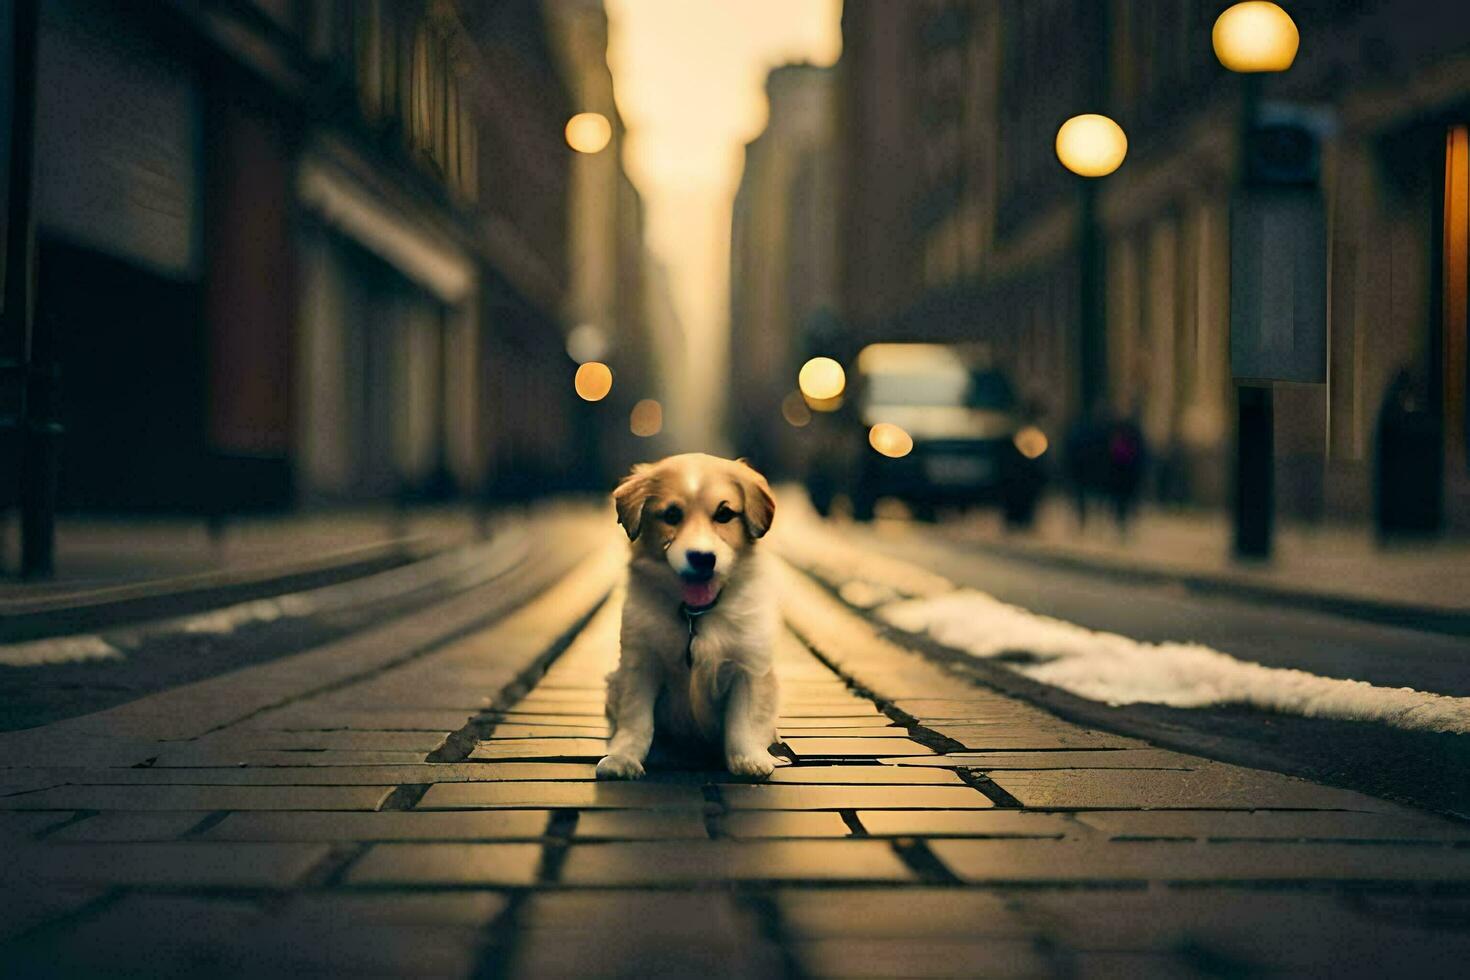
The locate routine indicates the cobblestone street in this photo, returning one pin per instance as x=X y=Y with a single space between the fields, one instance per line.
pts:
x=402 y=802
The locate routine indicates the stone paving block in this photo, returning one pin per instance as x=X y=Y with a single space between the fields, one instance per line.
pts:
x=849 y=957
x=898 y=913
x=447 y=864
x=966 y=823
x=887 y=731
x=550 y=731
x=862 y=709
x=179 y=863
x=1057 y=735
x=867 y=748
x=355 y=740
x=408 y=825
x=692 y=862
x=756 y=824
x=752 y=797
x=532 y=771
x=1213 y=786
x=634 y=956
x=470 y=909
x=1033 y=861
x=964 y=709
x=238 y=938
x=706 y=915
x=1084 y=759
x=198 y=756
x=305 y=718
x=799 y=723
x=19 y=826
x=641 y=825
x=1321 y=825
x=516 y=716
x=598 y=795
x=137 y=825
x=25 y=905
x=285 y=947
x=420 y=772
x=1253 y=931
x=865 y=775
x=541 y=748
x=175 y=797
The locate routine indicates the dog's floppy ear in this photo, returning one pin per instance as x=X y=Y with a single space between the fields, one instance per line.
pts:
x=630 y=496
x=760 y=506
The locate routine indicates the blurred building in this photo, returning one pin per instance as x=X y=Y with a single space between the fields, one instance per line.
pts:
x=295 y=251
x=958 y=221
x=783 y=250
x=607 y=294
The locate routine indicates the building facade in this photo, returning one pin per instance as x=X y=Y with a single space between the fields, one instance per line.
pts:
x=995 y=222
x=783 y=253
x=300 y=251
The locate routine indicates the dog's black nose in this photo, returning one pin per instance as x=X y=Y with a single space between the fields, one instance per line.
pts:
x=701 y=561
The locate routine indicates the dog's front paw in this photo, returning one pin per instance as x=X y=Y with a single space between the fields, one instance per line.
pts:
x=758 y=764
x=619 y=767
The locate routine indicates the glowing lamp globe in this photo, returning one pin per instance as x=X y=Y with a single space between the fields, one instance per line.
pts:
x=593 y=381
x=588 y=132
x=1255 y=36
x=1091 y=145
x=821 y=379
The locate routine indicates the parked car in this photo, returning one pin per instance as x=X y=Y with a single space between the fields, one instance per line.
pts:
x=934 y=425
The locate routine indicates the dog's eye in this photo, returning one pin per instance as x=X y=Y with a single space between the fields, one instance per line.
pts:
x=725 y=515
x=672 y=516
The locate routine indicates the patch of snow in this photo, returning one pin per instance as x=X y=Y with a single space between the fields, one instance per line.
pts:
x=1116 y=670
x=57 y=650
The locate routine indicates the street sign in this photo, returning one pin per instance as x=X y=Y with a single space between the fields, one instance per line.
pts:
x=1278 y=285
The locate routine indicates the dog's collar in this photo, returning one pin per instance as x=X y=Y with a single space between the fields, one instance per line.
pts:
x=691 y=617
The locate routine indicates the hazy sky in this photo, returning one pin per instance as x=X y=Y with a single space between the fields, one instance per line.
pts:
x=690 y=82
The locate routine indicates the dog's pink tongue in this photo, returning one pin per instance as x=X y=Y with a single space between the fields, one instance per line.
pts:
x=698 y=594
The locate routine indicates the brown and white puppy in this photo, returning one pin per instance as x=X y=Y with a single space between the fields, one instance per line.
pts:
x=699 y=616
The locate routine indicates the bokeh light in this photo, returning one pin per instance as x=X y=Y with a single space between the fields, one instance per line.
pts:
x=821 y=379
x=890 y=440
x=588 y=132
x=1030 y=441
x=647 y=418
x=794 y=410
x=1255 y=36
x=1090 y=145
x=593 y=381
x=586 y=342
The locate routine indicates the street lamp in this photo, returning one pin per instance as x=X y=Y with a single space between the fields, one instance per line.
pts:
x=1252 y=38
x=1091 y=146
x=593 y=381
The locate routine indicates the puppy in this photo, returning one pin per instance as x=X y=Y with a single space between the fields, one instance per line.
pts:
x=699 y=617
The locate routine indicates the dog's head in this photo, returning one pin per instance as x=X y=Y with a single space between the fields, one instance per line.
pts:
x=697 y=513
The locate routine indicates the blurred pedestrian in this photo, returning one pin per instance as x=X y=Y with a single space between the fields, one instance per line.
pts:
x=1408 y=485
x=1126 y=458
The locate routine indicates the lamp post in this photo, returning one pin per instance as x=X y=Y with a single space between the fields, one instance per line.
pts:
x=1253 y=38
x=1091 y=146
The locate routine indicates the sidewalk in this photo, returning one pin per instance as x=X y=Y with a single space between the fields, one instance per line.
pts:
x=1337 y=569
x=396 y=803
x=132 y=568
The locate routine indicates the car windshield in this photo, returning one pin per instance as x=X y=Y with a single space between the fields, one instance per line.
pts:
x=980 y=389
